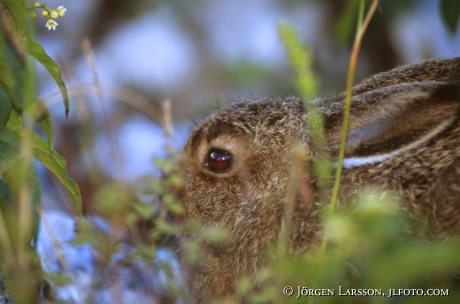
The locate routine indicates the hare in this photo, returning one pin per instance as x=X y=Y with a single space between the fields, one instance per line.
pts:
x=404 y=135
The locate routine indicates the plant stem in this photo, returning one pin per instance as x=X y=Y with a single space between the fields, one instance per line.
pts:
x=362 y=25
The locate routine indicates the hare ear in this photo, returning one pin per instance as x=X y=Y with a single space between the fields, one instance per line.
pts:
x=441 y=69
x=391 y=120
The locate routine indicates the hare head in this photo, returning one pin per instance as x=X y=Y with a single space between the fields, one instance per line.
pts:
x=238 y=165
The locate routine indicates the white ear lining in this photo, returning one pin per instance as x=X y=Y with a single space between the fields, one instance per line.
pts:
x=366 y=160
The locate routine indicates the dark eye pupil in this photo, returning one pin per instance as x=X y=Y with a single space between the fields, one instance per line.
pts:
x=219 y=160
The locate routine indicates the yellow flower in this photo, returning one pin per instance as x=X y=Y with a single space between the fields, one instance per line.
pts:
x=51 y=24
x=45 y=13
x=54 y=14
x=61 y=10
x=33 y=14
x=36 y=4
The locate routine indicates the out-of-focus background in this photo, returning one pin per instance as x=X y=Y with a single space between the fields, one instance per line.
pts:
x=123 y=59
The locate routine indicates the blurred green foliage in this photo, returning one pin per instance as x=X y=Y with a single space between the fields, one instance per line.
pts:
x=369 y=251
x=21 y=111
x=450 y=13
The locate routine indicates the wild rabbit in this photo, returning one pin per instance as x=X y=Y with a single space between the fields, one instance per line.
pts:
x=237 y=165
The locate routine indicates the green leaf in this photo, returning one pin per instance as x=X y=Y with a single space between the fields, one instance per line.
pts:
x=10 y=63
x=36 y=203
x=39 y=53
x=39 y=111
x=216 y=235
x=5 y=195
x=414 y=260
x=47 y=124
x=17 y=10
x=14 y=121
x=450 y=13
x=56 y=164
x=9 y=148
x=170 y=204
x=145 y=211
x=59 y=279
x=165 y=227
x=5 y=107
x=22 y=173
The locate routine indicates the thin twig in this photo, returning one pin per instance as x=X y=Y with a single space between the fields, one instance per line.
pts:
x=350 y=80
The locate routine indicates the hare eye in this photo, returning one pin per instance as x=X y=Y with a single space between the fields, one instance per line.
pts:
x=219 y=160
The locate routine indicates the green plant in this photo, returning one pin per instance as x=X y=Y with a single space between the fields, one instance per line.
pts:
x=20 y=112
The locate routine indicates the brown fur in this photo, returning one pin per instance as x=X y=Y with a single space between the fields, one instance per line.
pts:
x=404 y=136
